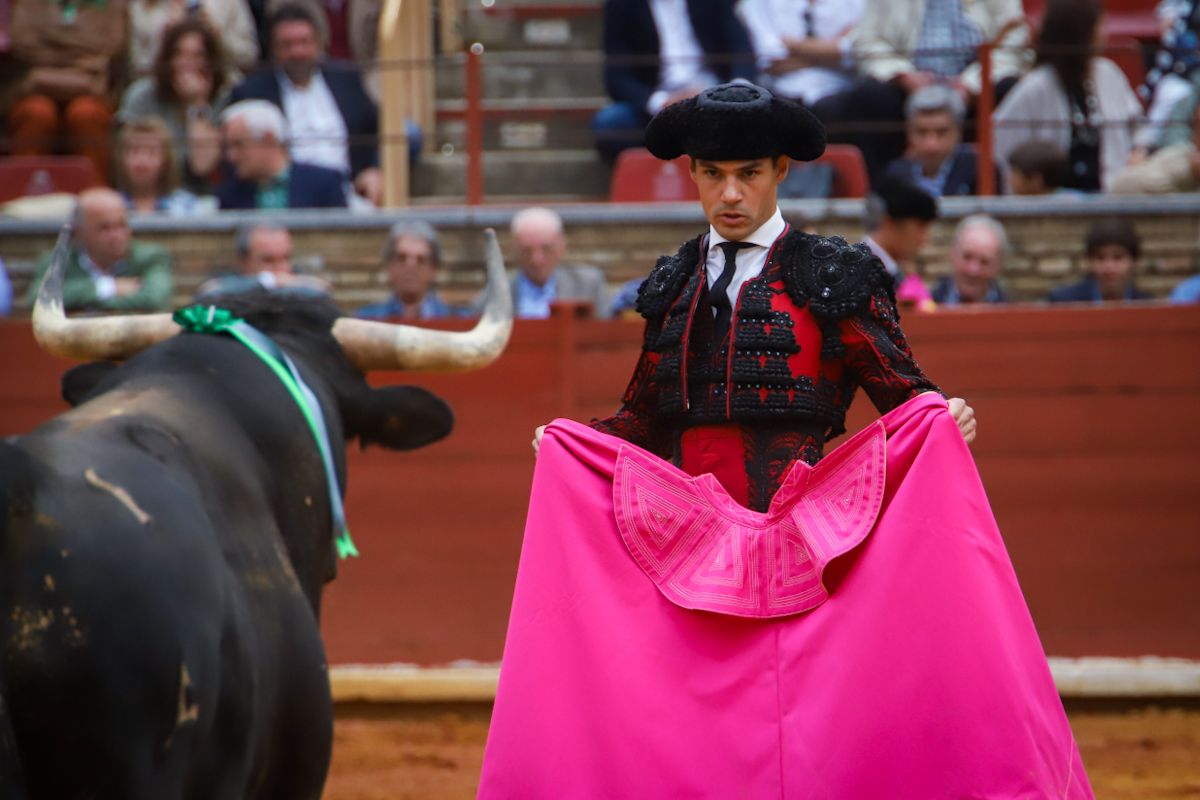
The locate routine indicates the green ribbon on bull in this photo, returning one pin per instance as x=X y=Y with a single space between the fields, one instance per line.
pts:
x=210 y=319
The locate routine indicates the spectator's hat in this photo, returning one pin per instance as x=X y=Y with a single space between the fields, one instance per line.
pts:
x=905 y=200
x=735 y=122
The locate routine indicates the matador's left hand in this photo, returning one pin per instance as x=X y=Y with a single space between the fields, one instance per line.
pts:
x=964 y=415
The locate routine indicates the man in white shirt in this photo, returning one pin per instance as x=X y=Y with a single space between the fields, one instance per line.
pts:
x=804 y=46
x=658 y=52
x=332 y=120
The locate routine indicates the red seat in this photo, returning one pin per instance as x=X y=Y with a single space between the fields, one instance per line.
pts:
x=849 y=170
x=22 y=176
x=639 y=177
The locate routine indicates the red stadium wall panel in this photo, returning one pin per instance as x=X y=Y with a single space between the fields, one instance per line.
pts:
x=1088 y=446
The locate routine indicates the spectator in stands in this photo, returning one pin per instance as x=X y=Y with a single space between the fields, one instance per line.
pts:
x=657 y=52
x=1036 y=167
x=264 y=252
x=147 y=174
x=1112 y=247
x=899 y=216
x=333 y=121
x=265 y=177
x=976 y=259
x=149 y=20
x=803 y=46
x=6 y=296
x=903 y=45
x=1178 y=129
x=1079 y=101
x=188 y=89
x=107 y=269
x=1175 y=168
x=1187 y=291
x=1176 y=67
x=543 y=279
x=60 y=89
x=411 y=259
x=936 y=159
x=349 y=30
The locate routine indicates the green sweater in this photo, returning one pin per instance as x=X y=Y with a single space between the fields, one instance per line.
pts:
x=148 y=262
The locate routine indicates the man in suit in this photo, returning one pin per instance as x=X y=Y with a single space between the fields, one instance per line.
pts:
x=107 y=269
x=976 y=260
x=333 y=121
x=936 y=159
x=543 y=279
x=658 y=52
x=265 y=177
x=1112 y=248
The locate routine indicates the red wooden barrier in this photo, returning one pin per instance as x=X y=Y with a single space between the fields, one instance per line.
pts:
x=1088 y=444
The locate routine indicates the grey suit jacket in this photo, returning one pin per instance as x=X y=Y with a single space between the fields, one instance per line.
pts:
x=576 y=282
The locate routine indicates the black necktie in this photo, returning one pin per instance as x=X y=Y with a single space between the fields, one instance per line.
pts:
x=718 y=295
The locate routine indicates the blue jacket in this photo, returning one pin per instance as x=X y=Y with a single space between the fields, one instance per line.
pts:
x=630 y=33
x=1088 y=291
x=345 y=83
x=309 y=186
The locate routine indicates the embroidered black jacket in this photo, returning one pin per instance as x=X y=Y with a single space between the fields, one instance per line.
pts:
x=818 y=322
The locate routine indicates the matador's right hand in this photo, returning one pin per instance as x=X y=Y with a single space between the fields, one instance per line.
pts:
x=537 y=438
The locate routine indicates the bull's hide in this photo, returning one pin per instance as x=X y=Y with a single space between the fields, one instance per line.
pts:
x=866 y=638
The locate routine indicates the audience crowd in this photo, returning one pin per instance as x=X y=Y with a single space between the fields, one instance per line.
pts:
x=188 y=106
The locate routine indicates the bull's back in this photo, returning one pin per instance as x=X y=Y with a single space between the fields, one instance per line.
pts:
x=132 y=648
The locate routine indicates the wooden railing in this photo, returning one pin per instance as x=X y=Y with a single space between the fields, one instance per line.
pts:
x=406 y=81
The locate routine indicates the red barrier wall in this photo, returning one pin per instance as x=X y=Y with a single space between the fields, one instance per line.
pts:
x=1089 y=436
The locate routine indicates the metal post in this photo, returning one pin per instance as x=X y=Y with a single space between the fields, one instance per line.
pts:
x=986 y=184
x=474 y=125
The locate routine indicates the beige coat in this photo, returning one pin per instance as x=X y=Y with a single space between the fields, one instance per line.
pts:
x=1168 y=170
x=64 y=58
x=886 y=37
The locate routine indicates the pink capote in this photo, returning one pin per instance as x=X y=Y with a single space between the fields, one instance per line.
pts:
x=864 y=638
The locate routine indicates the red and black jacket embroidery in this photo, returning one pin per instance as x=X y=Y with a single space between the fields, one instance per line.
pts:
x=817 y=323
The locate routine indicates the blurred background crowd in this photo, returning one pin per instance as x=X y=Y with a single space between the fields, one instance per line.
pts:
x=189 y=108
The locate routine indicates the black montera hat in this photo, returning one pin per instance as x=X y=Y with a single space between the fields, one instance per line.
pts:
x=735 y=122
x=905 y=200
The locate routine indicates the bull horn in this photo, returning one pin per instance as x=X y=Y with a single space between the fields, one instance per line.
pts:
x=92 y=338
x=380 y=345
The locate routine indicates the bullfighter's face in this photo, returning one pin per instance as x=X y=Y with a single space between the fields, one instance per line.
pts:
x=738 y=196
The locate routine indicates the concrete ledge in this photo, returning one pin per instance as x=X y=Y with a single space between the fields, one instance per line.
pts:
x=476 y=683
x=408 y=683
x=1126 y=677
x=461 y=216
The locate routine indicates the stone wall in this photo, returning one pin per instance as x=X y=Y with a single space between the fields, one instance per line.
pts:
x=625 y=240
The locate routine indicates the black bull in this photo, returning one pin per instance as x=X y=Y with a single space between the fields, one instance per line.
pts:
x=163 y=547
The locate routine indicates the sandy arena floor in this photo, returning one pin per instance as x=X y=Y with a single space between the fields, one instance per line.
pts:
x=1142 y=754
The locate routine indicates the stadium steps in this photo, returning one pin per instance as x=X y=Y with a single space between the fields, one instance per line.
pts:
x=541 y=84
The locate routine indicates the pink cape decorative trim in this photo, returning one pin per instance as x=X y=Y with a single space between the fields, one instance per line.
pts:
x=865 y=638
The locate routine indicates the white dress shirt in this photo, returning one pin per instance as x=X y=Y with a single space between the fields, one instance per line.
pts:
x=769 y=22
x=105 y=282
x=317 y=130
x=750 y=260
x=681 y=54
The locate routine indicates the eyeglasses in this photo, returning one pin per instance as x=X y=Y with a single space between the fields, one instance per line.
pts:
x=404 y=258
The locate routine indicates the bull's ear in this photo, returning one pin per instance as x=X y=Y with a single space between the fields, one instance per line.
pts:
x=78 y=382
x=401 y=418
